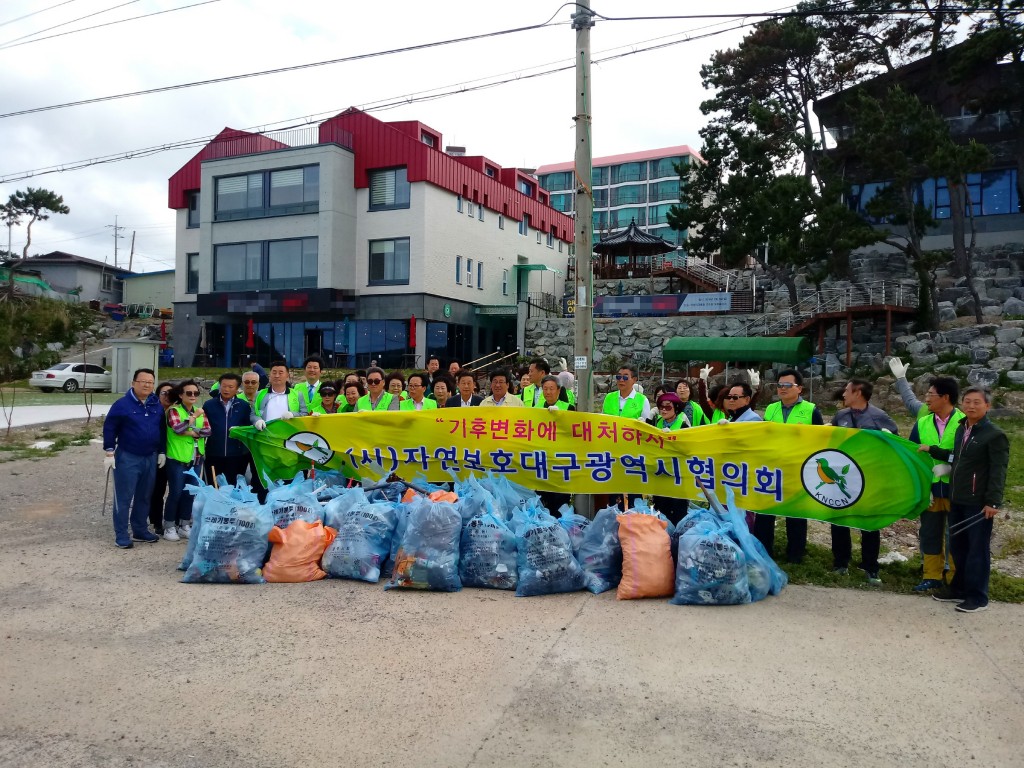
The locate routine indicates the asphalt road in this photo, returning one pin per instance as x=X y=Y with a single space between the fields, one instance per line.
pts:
x=107 y=660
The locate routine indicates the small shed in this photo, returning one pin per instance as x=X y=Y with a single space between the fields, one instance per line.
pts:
x=128 y=356
x=746 y=349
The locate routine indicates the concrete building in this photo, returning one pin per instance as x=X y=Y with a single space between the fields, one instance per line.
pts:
x=635 y=186
x=360 y=241
x=150 y=288
x=66 y=272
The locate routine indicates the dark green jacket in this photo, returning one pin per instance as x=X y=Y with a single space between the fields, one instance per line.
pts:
x=979 y=468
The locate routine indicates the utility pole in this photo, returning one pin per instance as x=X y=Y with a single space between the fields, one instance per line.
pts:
x=582 y=21
x=117 y=236
x=131 y=256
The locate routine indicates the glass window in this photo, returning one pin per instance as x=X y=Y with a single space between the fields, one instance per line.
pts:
x=601 y=198
x=471 y=210
x=524 y=225
x=999 y=192
x=501 y=221
x=600 y=221
x=193 y=210
x=237 y=266
x=469 y=273
x=621 y=218
x=389 y=262
x=665 y=190
x=295 y=186
x=107 y=282
x=389 y=189
x=629 y=172
x=629 y=195
x=658 y=214
x=480 y=212
x=562 y=202
x=504 y=282
x=551 y=238
x=292 y=263
x=600 y=175
x=458 y=270
x=239 y=193
x=480 y=275
x=525 y=187
x=556 y=181
x=666 y=167
x=192 y=273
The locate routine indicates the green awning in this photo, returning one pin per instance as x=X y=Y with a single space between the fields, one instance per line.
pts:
x=536 y=268
x=743 y=349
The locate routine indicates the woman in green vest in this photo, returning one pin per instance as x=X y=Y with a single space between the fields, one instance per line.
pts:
x=671 y=418
x=353 y=391
x=187 y=431
x=694 y=413
x=551 y=389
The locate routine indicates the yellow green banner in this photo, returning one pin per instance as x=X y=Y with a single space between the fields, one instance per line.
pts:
x=859 y=478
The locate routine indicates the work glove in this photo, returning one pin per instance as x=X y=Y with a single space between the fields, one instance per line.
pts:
x=287 y=415
x=941 y=470
x=260 y=425
x=108 y=463
x=665 y=429
x=553 y=408
x=723 y=421
x=755 y=377
x=161 y=459
x=898 y=368
x=314 y=413
x=565 y=365
x=705 y=372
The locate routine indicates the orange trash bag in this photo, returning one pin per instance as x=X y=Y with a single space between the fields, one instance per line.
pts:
x=647 y=569
x=449 y=496
x=297 y=552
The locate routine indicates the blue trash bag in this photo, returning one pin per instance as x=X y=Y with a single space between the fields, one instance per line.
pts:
x=507 y=494
x=392 y=492
x=227 y=494
x=474 y=500
x=294 y=501
x=363 y=542
x=711 y=568
x=487 y=554
x=574 y=525
x=764 y=575
x=600 y=553
x=428 y=555
x=231 y=542
x=337 y=507
x=544 y=558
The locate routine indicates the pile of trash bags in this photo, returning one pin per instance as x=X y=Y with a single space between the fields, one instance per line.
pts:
x=483 y=531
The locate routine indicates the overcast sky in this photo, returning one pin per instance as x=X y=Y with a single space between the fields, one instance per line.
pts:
x=642 y=101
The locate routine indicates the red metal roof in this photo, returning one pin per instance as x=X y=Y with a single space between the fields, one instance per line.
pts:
x=628 y=157
x=228 y=143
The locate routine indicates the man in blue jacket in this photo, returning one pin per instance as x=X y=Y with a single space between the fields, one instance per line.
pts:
x=133 y=440
x=225 y=455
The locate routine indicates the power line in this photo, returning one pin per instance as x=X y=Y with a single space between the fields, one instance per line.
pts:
x=5 y=46
x=381 y=105
x=65 y=23
x=35 y=13
x=279 y=70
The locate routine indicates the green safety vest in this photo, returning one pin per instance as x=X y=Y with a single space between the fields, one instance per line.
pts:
x=409 y=405
x=571 y=395
x=929 y=435
x=293 y=401
x=530 y=392
x=559 y=404
x=384 y=404
x=801 y=413
x=697 y=417
x=718 y=415
x=315 y=402
x=675 y=425
x=182 y=448
x=633 y=409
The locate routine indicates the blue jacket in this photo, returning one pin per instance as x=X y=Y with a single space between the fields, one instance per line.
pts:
x=221 y=421
x=134 y=426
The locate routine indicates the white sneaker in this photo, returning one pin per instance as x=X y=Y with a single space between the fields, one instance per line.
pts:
x=170 y=533
x=185 y=529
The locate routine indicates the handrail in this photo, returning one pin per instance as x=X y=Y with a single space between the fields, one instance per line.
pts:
x=474 y=364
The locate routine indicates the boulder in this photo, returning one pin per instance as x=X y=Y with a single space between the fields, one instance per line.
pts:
x=1007 y=350
x=982 y=377
x=1013 y=306
x=920 y=347
x=992 y=312
x=1015 y=377
x=947 y=314
x=961 y=335
x=1002 y=363
x=1004 y=335
x=926 y=360
x=979 y=355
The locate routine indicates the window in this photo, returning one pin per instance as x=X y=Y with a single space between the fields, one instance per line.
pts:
x=551 y=238
x=106 y=281
x=538 y=237
x=193 y=210
x=427 y=139
x=268 y=193
x=601 y=198
x=469 y=273
x=501 y=221
x=658 y=214
x=458 y=270
x=556 y=181
x=525 y=187
x=559 y=246
x=628 y=172
x=621 y=218
x=492 y=172
x=524 y=225
x=562 y=202
x=600 y=176
x=471 y=211
x=480 y=275
x=629 y=195
x=504 y=282
x=458 y=203
x=666 y=166
x=480 y=212
x=265 y=264
x=665 y=190
x=389 y=262
x=191 y=273
x=389 y=189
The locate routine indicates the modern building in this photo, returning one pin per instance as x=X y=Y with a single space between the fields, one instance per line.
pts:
x=94 y=281
x=636 y=186
x=361 y=240
x=962 y=102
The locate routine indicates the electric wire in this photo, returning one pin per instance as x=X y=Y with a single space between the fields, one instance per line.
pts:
x=35 y=13
x=5 y=46
x=65 y=23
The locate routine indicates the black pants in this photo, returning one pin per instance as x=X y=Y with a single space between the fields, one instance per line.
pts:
x=972 y=556
x=796 y=536
x=553 y=501
x=229 y=466
x=674 y=509
x=156 y=501
x=842 y=547
x=257 y=482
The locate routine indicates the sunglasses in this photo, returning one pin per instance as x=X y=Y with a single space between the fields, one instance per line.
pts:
x=375 y=381
x=327 y=392
x=785 y=385
x=735 y=397
x=666 y=407
x=620 y=377
x=191 y=392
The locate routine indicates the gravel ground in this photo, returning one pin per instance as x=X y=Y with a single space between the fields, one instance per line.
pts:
x=107 y=660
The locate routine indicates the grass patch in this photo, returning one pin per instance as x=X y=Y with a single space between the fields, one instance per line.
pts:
x=18 y=446
x=901 y=578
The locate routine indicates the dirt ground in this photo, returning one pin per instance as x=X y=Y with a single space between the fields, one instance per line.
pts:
x=107 y=660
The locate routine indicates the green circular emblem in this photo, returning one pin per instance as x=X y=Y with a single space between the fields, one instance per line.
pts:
x=447 y=310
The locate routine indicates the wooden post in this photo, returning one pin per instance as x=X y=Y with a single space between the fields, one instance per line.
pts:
x=821 y=337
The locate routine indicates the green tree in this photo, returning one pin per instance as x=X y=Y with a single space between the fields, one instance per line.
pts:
x=36 y=205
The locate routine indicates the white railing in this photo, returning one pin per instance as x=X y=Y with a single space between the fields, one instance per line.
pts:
x=709 y=273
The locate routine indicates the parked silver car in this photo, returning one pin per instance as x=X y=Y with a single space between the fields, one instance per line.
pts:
x=71 y=377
